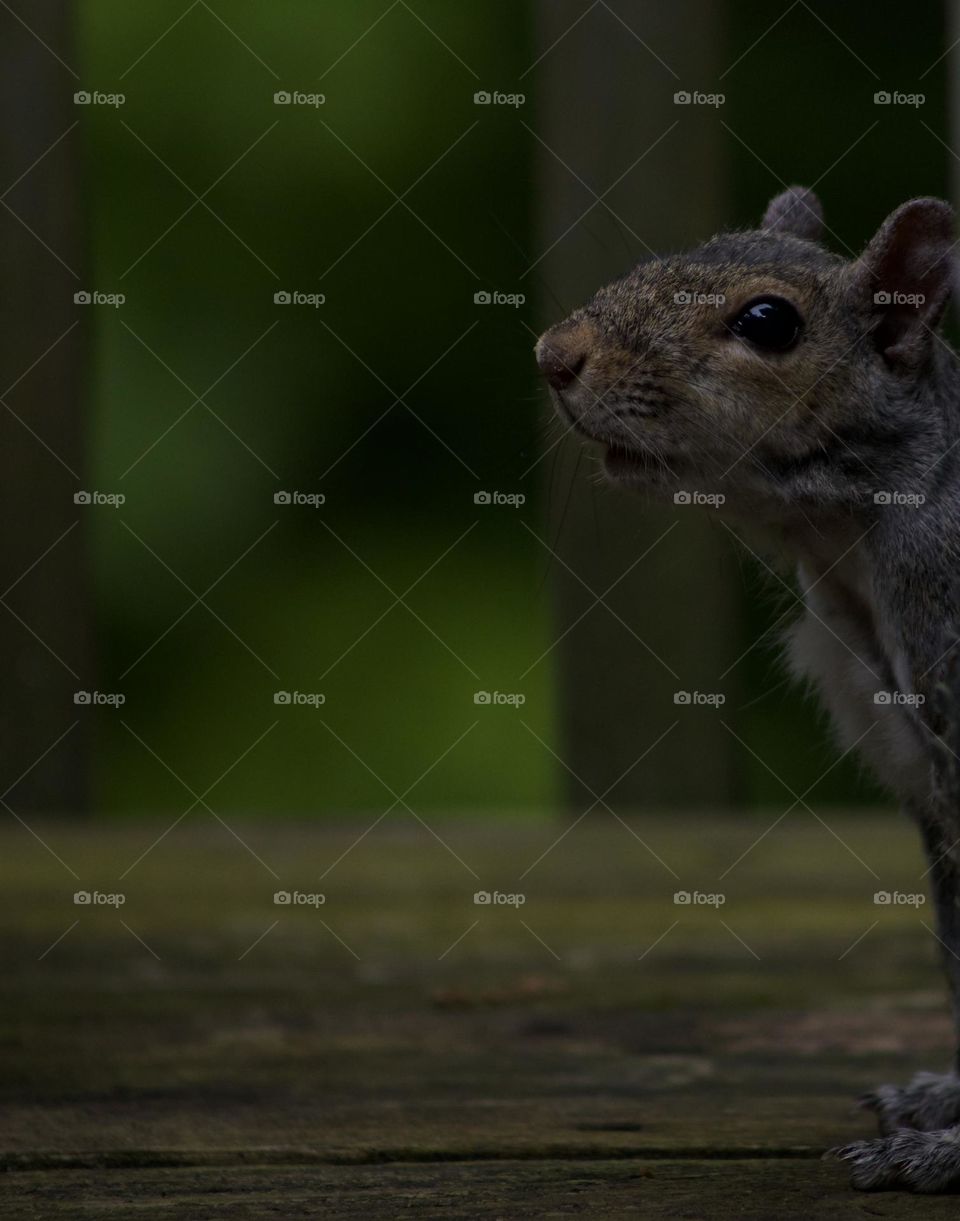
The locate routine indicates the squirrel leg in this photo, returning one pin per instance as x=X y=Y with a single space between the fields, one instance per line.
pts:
x=931 y=1101
x=920 y=1148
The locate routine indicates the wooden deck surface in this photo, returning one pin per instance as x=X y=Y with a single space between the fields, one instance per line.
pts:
x=598 y=1051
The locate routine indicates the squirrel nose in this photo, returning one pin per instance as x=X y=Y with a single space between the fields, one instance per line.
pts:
x=562 y=355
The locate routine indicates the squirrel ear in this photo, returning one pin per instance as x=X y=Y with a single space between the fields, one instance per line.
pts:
x=795 y=211
x=905 y=275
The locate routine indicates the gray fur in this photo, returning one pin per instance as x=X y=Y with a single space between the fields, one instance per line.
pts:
x=799 y=443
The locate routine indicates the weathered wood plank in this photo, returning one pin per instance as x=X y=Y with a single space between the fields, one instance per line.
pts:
x=692 y=1190
x=551 y=1055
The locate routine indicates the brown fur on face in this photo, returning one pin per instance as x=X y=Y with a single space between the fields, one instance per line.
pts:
x=674 y=396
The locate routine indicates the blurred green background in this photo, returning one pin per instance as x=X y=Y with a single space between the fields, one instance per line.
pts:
x=295 y=398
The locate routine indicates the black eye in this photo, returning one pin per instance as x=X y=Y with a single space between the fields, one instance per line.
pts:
x=769 y=322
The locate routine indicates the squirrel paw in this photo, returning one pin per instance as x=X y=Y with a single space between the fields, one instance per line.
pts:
x=908 y=1161
x=929 y=1103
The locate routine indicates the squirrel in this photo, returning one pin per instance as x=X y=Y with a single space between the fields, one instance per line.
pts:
x=814 y=396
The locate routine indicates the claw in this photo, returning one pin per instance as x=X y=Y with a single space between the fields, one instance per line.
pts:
x=843 y=1152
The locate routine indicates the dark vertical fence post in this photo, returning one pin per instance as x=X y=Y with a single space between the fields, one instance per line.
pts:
x=606 y=103
x=44 y=615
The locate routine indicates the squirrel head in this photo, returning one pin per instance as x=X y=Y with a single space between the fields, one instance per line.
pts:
x=765 y=367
